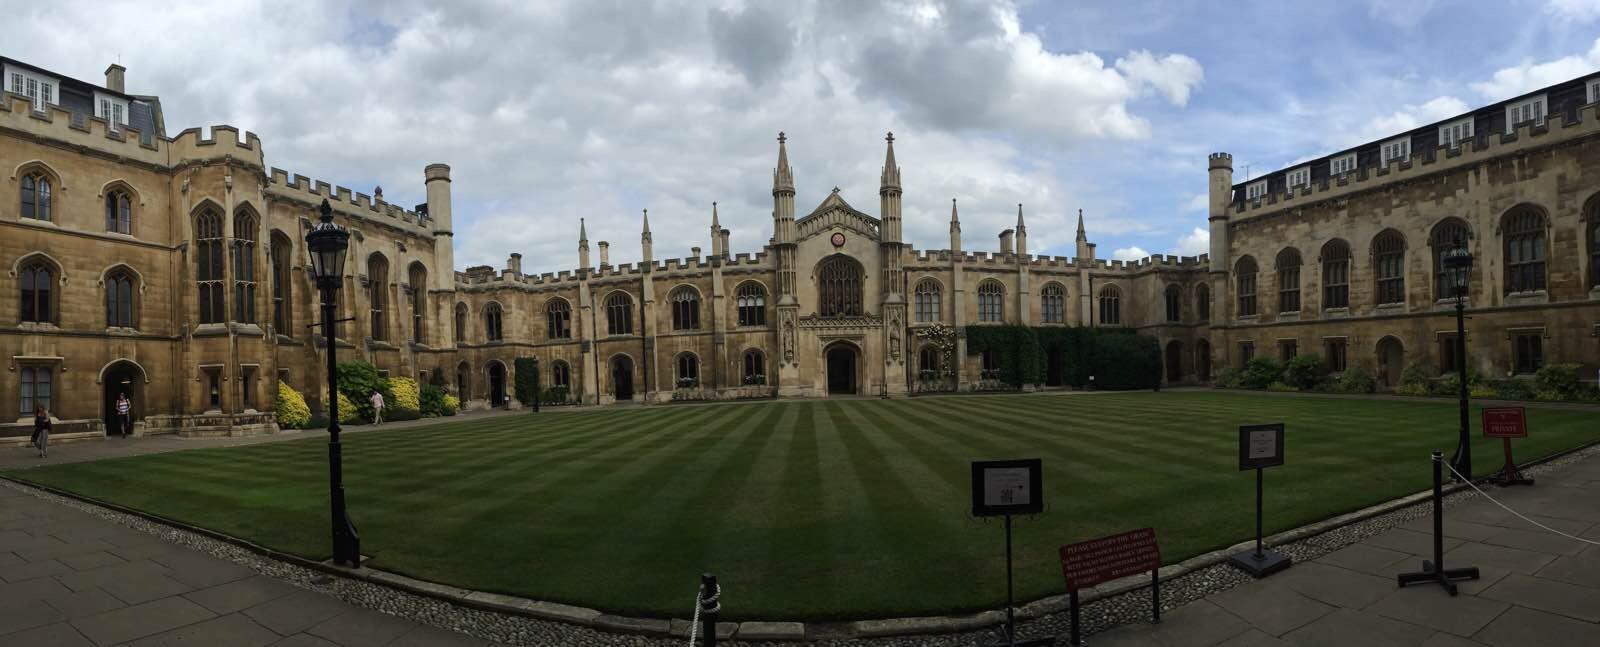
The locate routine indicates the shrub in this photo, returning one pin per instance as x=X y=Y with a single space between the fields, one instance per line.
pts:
x=1229 y=378
x=348 y=413
x=1412 y=389
x=1260 y=372
x=357 y=381
x=554 y=395
x=317 y=421
x=436 y=377
x=431 y=401
x=406 y=395
x=1303 y=371
x=1513 y=389
x=525 y=382
x=452 y=404
x=1481 y=392
x=1282 y=387
x=1449 y=385
x=291 y=407
x=397 y=414
x=1356 y=380
x=1417 y=377
x=1558 y=380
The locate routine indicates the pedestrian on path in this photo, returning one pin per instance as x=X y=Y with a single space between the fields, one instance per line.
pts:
x=377 y=408
x=123 y=407
x=41 y=430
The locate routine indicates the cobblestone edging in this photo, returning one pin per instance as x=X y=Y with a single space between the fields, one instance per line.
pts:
x=520 y=621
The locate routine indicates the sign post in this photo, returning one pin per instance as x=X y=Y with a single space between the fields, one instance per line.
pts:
x=1260 y=447
x=1506 y=423
x=1002 y=489
x=1093 y=562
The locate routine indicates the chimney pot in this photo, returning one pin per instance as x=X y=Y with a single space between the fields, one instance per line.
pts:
x=114 y=78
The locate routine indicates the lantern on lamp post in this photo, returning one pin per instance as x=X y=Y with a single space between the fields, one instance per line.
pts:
x=1457 y=263
x=327 y=243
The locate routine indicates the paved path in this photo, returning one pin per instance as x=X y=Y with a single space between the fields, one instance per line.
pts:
x=1537 y=589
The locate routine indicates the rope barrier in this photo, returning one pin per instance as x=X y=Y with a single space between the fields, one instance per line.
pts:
x=716 y=607
x=1518 y=514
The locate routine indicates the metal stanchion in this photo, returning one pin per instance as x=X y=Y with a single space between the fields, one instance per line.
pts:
x=708 y=609
x=1434 y=571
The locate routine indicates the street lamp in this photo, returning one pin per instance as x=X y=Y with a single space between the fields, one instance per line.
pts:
x=1457 y=262
x=327 y=243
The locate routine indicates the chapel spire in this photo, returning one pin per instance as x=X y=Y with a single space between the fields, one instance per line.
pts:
x=716 y=234
x=583 y=245
x=955 y=228
x=783 y=176
x=891 y=170
x=645 y=244
x=1022 y=233
x=1081 y=234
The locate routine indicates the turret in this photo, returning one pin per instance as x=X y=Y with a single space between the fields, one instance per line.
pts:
x=889 y=194
x=1221 y=187
x=647 y=246
x=1085 y=248
x=437 y=181
x=1022 y=232
x=955 y=229
x=583 y=246
x=783 y=195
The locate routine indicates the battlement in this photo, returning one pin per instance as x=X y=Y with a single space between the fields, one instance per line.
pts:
x=1221 y=160
x=351 y=204
x=56 y=122
x=192 y=144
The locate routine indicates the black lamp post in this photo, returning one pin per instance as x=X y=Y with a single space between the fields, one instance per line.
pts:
x=1458 y=262
x=327 y=243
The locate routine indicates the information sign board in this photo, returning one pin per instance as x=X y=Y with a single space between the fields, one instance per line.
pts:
x=1505 y=422
x=1093 y=562
x=1007 y=487
x=1260 y=446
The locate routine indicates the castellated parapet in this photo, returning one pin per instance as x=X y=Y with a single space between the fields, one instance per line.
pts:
x=359 y=206
x=1221 y=161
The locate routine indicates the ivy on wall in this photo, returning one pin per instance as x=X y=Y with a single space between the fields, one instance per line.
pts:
x=526 y=381
x=1117 y=358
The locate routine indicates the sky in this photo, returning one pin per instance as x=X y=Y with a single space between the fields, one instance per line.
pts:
x=548 y=112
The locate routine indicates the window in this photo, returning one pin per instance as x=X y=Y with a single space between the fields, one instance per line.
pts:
x=1388 y=264
x=419 y=301
x=214 y=388
x=40 y=90
x=1594 y=91
x=208 y=266
x=558 y=319
x=928 y=361
x=561 y=374
x=1110 y=306
x=688 y=373
x=1594 y=244
x=1342 y=164
x=1530 y=109
x=685 y=308
x=1255 y=190
x=1289 y=280
x=1245 y=275
x=36 y=196
x=927 y=297
x=1529 y=352
x=119 y=298
x=1396 y=150
x=1202 y=302
x=1247 y=352
x=1336 y=274
x=1297 y=178
x=991 y=365
x=1449 y=234
x=463 y=381
x=751 y=299
x=1523 y=229
x=377 y=293
x=619 y=314
x=1053 y=303
x=491 y=322
x=991 y=301
x=247 y=384
x=461 y=323
x=280 y=251
x=1333 y=354
x=111 y=109
x=1452 y=134
x=119 y=213
x=1449 y=359
x=244 y=268
x=755 y=368
x=38 y=285
x=1287 y=349
x=839 y=287
x=1174 y=303
x=35 y=389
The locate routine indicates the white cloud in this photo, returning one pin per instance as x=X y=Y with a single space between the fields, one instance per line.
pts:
x=1129 y=253
x=1406 y=118
x=1195 y=243
x=1512 y=81
x=1174 y=75
x=1198 y=202
x=1578 y=10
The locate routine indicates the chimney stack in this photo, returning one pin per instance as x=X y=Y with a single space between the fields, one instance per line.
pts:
x=694 y=252
x=1005 y=241
x=605 y=254
x=725 y=253
x=514 y=264
x=114 y=78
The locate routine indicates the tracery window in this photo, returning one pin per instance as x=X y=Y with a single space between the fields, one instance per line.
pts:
x=461 y=322
x=927 y=297
x=561 y=374
x=36 y=196
x=1053 y=303
x=1447 y=235
x=1111 y=306
x=839 y=287
x=377 y=289
x=688 y=373
x=119 y=212
x=1336 y=274
x=1174 y=296
x=1245 y=275
x=685 y=308
x=1523 y=229
x=419 y=302
x=1594 y=245
x=119 y=298
x=38 y=278
x=558 y=319
x=281 y=285
x=208 y=267
x=752 y=304
x=1388 y=262
x=619 y=314
x=1289 y=280
x=1202 y=302
x=755 y=368
x=491 y=322
x=244 y=268
x=991 y=301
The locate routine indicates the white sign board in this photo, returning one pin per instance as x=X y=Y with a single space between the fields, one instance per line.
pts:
x=1005 y=486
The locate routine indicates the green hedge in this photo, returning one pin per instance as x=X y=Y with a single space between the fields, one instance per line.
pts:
x=525 y=386
x=1117 y=358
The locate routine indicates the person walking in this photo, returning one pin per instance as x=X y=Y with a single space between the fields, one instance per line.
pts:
x=41 y=430
x=377 y=408
x=123 y=407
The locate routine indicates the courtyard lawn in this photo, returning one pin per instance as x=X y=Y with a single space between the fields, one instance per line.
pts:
x=810 y=510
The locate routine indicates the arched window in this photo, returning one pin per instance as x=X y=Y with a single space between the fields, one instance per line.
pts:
x=1245 y=275
x=1174 y=303
x=1523 y=229
x=1202 y=302
x=244 y=267
x=685 y=308
x=928 y=362
x=1336 y=274
x=560 y=374
x=1388 y=264
x=752 y=303
x=1289 y=280
x=1053 y=303
x=991 y=301
x=36 y=196
x=281 y=285
x=461 y=323
x=927 y=300
x=463 y=381
x=1110 y=306
x=1449 y=234
x=619 y=314
x=1594 y=243
x=418 y=280
x=377 y=293
x=208 y=266
x=491 y=322
x=839 y=287
x=688 y=373
x=755 y=368
x=119 y=212
x=558 y=319
x=38 y=291
x=119 y=298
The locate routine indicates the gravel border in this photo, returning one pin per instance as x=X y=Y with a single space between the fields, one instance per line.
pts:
x=517 y=621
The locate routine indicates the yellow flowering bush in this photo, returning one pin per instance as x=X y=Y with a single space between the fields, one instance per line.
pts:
x=348 y=414
x=452 y=404
x=291 y=407
x=406 y=394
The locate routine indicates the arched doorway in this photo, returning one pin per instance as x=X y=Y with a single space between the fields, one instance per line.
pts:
x=463 y=382
x=1391 y=360
x=1174 y=362
x=497 y=384
x=622 y=377
x=842 y=369
x=118 y=378
x=1202 y=360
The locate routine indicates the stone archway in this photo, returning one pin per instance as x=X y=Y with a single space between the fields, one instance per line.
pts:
x=497 y=384
x=1202 y=360
x=622 y=377
x=117 y=378
x=843 y=361
x=1174 y=362
x=1391 y=361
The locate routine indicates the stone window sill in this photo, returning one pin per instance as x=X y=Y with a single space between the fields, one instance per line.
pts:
x=1289 y=316
x=1389 y=308
x=1335 y=313
x=211 y=330
x=1527 y=298
x=38 y=326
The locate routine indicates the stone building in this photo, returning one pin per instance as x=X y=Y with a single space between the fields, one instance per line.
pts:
x=173 y=269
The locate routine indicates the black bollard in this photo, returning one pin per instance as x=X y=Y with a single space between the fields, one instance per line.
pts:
x=710 y=606
x=1434 y=571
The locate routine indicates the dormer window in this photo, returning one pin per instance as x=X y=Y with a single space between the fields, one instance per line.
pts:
x=1297 y=178
x=1396 y=150
x=1594 y=89
x=1255 y=190
x=111 y=109
x=1342 y=164
x=39 y=89
x=1530 y=109
x=1454 y=133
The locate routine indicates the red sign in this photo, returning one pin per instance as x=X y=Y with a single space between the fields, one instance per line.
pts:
x=1504 y=422
x=1092 y=562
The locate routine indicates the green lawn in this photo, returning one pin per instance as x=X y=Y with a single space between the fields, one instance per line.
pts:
x=806 y=510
